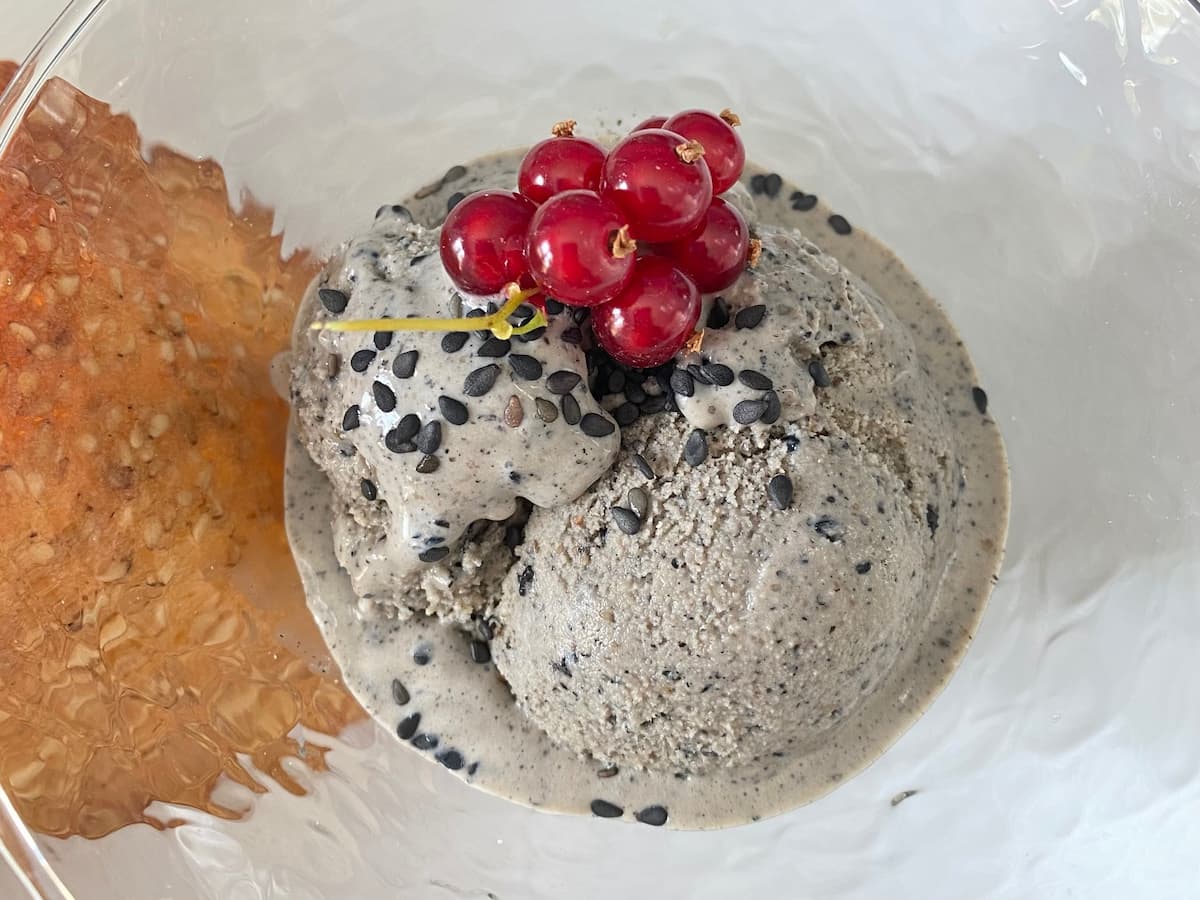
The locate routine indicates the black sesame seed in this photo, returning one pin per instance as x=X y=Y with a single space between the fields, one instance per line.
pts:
x=931 y=518
x=779 y=492
x=695 y=450
x=525 y=367
x=570 y=409
x=530 y=336
x=425 y=741
x=453 y=341
x=562 y=382
x=368 y=489
x=409 y=724
x=819 y=376
x=494 y=348
x=405 y=364
x=634 y=392
x=454 y=199
x=400 y=695
x=718 y=314
x=596 y=426
x=451 y=759
x=477 y=313
x=758 y=184
x=754 y=380
x=627 y=520
x=473 y=768
x=396 y=444
x=657 y=815
x=546 y=411
x=608 y=772
x=429 y=438
x=383 y=339
x=839 y=224
x=422 y=655
x=418 y=259
x=656 y=405
x=334 y=301
x=573 y=336
x=350 y=420
x=803 y=202
x=433 y=554
x=749 y=411
x=408 y=426
x=980 y=398
x=481 y=380
x=718 y=374
x=453 y=411
x=639 y=502
x=750 y=317
x=774 y=408
x=862 y=568
x=682 y=383
x=454 y=173
x=639 y=463
x=385 y=398
x=554 y=307
x=579 y=315
x=524 y=580
x=428 y=465
x=698 y=374
x=626 y=414
x=830 y=529
x=606 y=810
x=480 y=652
x=616 y=382
x=361 y=360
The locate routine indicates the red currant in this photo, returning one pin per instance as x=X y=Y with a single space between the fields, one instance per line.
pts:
x=723 y=149
x=483 y=241
x=578 y=248
x=652 y=318
x=715 y=255
x=652 y=122
x=661 y=181
x=560 y=164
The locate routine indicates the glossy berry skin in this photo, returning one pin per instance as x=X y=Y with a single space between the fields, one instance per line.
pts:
x=652 y=122
x=652 y=318
x=664 y=197
x=570 y=248
x=483 y=241
x=723 y=149
x=560 y=164
x=715 y=255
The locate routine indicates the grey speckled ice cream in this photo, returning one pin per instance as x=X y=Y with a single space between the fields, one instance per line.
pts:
x=754 y=598
x=725 y=629
x=423 y=433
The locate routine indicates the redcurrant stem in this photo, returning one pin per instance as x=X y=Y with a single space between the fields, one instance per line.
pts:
x=496 y=322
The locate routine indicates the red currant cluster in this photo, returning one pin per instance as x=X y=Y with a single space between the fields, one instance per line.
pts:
x=637 y=233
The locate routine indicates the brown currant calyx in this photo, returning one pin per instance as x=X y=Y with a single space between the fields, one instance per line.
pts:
x=730 y=118
x=695 y=342
x=622 y=245
x=690 y=152
x=754 y=254
x=565 y=128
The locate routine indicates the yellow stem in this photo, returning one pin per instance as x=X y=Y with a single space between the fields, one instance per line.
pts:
x=496 y=322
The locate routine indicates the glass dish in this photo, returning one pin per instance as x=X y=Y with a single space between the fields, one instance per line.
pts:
x=1036 y=164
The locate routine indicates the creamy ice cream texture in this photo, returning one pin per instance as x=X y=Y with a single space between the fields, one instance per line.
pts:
x=716 y=587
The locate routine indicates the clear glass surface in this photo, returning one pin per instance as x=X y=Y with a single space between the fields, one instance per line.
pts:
x=1037 y=165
